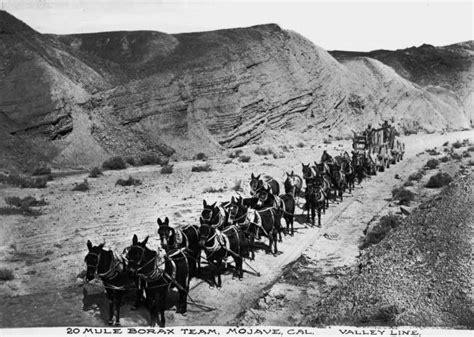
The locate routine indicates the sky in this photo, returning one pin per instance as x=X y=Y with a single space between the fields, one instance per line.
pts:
x=333 y=25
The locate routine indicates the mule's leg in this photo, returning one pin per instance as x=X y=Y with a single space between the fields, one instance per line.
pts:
x=138 y=294
x=110 y=299
x=118 y=303
x=161 y=305
x=218 y=272
x=319 y=216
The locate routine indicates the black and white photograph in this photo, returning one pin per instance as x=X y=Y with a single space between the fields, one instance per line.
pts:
x=236 y=168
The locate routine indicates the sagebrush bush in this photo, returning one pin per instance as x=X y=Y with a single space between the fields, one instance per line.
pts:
x=131 y=161
x=200 y=156
x=213 y=190
x=228 y=161
x=235 y=154
x=114 y=163
x=444 y=159
x=456 y=156
x=439 y=179
x=262 y=152
x=432 y=164
x=25 y=202
x=466 y=154
x=416 y=176
x=284 y=148
x=446 y=143
x=41 y=171
x=82 y=187
x=95 y=172
x=327 y=141
x=300 y=144
x=244 y=159
x=403 y=195
x=457 y=144
x=167 y=169
x=129 y=182
x=378 y=232
x=150 y=159
x=6 y=274
x=432 y=152
x=201 y=168
x=470 y=148
x=408 y=183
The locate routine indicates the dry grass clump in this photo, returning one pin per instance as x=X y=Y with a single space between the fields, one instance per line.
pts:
x=300 y=144
x=244 y=159
x=150 y=159
x=82 y=187
x=457 y=144
x=284 y=148
x=263 y=152
x=432 y=164
x=444 y=159
x=25 y=202
x=235 y=154
x=456 y=156
x=408 y=183
x=213 y=190
x=228 y=161
x=327 y=141
x=95 y=172
x=114 y=163
x=15 y=179
x=470 y=149
x=238 y=186
x=466 y=154
x=379 y=231
x=201 y=168
x=167 y=169
x=6 y=274
x=403 y=195
x=129 y=182
x=471 y=162
x=200 y=156
x=41 y=171
x=433 y=152
x=439 y=179
x=416 y=176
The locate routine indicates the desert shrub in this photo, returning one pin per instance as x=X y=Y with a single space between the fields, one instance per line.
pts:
x=456 y=156
x=228 y=161
x=84 y=186
x=380 y=230
x=129 y=182
x=95 y=172
x=439 y=179
x=444 y=159
x=235 y=154
x=150 y=159
x=131 y=161
x=432 y=152
x=201 y=168
x=327 y=141
x=237 y=186
x=284 y=148
x=244 y=159
x=300 y=145
x=41 y=171
x=213 y=190
x=278 y=155
x=6 y=274
x=408 y=183
x=466 y=154
x=25 y=202
x=167 y=169
x=23 y=181
x=457 y=144
x=470 y=149
x=471 y=162
x=446 y=143
x=403 y=195
x=432 y=164
x=262 y=152
x=200 y=156
x=416 y=176
x=114 y=163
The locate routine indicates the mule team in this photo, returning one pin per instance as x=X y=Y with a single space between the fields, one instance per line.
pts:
x=226 y=230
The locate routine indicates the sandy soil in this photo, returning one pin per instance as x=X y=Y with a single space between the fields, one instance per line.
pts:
x=46 y=252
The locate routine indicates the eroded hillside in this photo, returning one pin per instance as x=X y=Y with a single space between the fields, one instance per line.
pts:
x=89 y=96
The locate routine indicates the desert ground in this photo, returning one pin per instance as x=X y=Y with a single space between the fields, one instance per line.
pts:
x=46 y=252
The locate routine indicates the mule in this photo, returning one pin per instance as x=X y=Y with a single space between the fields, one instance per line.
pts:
x=269 y=210
x=315 y=200
x=177 y=238
x=110 y=268
x=256 y=183
x=293 y=184
x=219 y=245
x=159 y=271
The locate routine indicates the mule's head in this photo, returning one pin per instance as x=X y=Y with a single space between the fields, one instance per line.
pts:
x=264 y=193
x=255 y=183
x=93 y=260
x=307 y=172
x=136 y=254
x=165 y=232
x=209 y=213
x=236 y=209
x=205 y=231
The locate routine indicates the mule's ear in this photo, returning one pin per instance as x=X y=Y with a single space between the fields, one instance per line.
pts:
x=204 y=203
x=89 y=244
x=292 y=173
x=232 y=200
x=302 y=164
x=167 y=221
x=214 y=205
x=258 y=177
x=159 y=222
x=145 y=241
x=135 y=239
x=102 y=245
x=252 y=176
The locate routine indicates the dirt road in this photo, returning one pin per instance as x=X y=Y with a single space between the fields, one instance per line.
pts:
x=46 y=252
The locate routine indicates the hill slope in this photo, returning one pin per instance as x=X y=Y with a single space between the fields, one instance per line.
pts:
x=89 y=96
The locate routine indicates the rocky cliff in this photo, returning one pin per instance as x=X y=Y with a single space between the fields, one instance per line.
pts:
x=89 y=96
